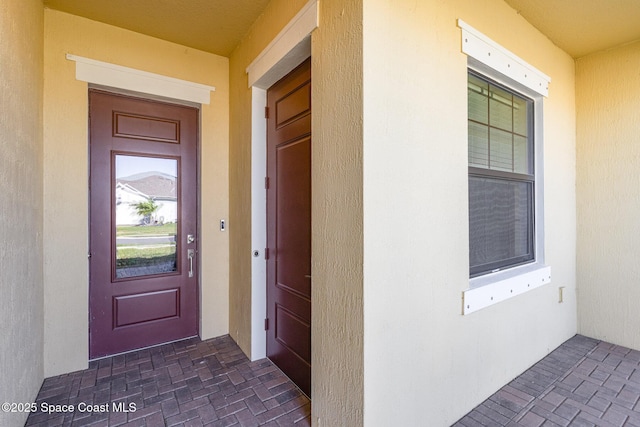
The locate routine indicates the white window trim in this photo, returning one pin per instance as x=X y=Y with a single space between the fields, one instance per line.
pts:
x=490 y=289
x=480 y=47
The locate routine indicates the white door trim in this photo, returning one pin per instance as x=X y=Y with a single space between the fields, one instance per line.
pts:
x=112 y=75
x=258 y=223
x=286 y=51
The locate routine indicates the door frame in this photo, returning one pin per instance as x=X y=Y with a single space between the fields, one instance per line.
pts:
x=136 y=83
x=285 y=52
x=168 y=101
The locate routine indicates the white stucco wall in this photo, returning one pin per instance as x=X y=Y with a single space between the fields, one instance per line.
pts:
x=66 y=175
x=425 y=363
x=608 y=123
x=21 y=77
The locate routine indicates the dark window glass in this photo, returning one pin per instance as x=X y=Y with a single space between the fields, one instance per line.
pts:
x=501 y=179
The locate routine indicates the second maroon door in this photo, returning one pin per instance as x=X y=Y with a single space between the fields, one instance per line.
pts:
x=143 y=287
x=289 y=225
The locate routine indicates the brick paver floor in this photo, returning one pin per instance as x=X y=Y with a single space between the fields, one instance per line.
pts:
x=583 y=382
x=188 y=383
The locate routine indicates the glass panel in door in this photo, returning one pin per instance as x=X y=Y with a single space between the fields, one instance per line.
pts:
x=146 y=215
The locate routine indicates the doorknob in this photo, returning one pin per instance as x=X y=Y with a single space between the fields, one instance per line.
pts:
x=190 y=254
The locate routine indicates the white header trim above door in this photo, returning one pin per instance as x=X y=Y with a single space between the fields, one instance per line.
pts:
x=106 y=74
x=287 y=50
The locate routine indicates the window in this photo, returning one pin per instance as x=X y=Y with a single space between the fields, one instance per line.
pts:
x=501 y=177
x=506 y=174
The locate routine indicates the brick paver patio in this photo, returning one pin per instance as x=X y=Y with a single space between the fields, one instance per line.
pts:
x=584 y=382
x=188 y=383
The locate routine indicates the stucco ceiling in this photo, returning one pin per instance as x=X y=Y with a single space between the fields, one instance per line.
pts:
x=581 y=27
x=215 y=26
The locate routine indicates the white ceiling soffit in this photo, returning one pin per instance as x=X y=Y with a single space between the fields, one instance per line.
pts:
x=215 y=26
x=581 y=27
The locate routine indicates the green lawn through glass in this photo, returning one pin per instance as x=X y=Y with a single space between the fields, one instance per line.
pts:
x=158 y=257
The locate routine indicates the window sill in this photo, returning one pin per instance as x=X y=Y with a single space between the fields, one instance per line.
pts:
x=493 y=288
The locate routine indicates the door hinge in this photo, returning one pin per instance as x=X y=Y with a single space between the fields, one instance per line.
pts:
x=266 y=324
x=266 y=112
x=266 y=253
x=266 y=182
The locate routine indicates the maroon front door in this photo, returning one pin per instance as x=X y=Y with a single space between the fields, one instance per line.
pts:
x=289 y=225
x=143 y=286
